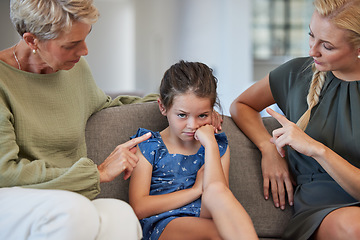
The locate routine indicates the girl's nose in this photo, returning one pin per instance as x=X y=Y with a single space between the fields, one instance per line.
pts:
x=192 y=123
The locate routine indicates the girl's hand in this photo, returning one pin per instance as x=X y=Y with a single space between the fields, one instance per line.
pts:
x=291 y=135
x=122 y=159
x=216 y=121
x=205 y=134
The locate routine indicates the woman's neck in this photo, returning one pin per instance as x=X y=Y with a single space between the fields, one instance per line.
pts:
x=27 y=61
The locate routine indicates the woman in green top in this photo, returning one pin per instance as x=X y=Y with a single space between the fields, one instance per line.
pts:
x=320 y=93
x=47 y=94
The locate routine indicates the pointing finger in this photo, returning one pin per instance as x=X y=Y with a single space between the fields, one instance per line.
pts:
x=279 y=117
x=135 y=141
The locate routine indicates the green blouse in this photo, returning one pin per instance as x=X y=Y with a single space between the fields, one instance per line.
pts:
x=42 y=128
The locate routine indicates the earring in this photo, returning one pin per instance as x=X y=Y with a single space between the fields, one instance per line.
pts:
x=34 y=51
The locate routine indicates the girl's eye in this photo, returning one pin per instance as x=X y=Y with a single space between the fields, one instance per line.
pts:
x=182 y=115
x=203 y=116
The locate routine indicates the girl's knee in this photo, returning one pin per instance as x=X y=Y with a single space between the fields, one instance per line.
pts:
x=216 y=189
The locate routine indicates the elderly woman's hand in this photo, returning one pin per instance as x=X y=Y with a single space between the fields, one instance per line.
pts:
x=122 y=159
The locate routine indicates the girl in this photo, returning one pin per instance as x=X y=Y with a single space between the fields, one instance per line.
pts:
x=179 y=188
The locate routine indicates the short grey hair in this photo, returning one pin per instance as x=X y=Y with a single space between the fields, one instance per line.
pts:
x=47 y=19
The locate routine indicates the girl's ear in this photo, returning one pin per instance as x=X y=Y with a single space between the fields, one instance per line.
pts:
x=161 y=107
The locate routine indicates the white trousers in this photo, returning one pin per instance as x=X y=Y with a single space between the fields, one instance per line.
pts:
x=35 y=214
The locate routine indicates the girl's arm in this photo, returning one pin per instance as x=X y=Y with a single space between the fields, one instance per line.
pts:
x=245 y=113
x=344 y=173
x=213 y=171
x=146 y=205
x=225 y=162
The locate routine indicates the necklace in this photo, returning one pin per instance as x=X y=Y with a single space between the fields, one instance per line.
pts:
x=16 y=59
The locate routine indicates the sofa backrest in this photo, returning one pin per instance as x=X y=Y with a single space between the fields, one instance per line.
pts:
x=113 y=126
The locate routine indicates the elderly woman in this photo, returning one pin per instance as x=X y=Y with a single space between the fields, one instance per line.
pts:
x=47 y=94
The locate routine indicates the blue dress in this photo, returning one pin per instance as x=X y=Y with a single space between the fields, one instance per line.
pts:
x=171 y=172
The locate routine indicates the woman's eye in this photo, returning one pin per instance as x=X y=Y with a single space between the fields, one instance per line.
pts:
x=69 y=47
x=327 y=46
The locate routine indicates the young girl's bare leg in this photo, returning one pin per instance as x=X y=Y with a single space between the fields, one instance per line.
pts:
x=229 y=216
x=190 y=228
x=218 y=202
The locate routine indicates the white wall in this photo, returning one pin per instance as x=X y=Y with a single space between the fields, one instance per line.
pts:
x=111 y=45
x=216 y=32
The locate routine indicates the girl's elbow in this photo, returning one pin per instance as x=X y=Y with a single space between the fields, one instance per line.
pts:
x=137 y=211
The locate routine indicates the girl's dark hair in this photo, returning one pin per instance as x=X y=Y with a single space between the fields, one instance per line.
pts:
x=184 y=77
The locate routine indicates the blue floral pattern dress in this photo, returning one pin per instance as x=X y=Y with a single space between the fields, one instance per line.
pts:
x=171 y=172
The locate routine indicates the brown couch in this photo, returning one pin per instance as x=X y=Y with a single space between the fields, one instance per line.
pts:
x=113 y=126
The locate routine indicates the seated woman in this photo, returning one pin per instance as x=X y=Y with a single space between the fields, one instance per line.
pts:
x=320 y=93
x=47 y=94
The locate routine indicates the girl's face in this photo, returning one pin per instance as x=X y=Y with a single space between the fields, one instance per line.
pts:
x=330 y=49
x=187 y=114
x=65 y=51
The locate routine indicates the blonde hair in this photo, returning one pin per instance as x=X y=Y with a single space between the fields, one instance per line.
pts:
x=47 y=19
x=345 y=15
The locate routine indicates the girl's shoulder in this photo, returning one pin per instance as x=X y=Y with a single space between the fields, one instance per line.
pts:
x=142 y=131
x=222 y=142
x=153 y=147
x=154 y=139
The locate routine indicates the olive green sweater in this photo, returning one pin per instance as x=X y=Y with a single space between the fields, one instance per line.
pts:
x=42 y=128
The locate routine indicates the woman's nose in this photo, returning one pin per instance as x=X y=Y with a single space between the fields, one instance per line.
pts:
x=314 y=52
x=84 y=50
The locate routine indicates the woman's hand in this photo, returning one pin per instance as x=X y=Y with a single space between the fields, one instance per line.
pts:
x=122 y=159
x=216 y=120
x=291 y=135
x=276 y=176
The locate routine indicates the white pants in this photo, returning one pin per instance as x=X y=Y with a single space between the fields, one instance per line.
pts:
x=35 y=214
